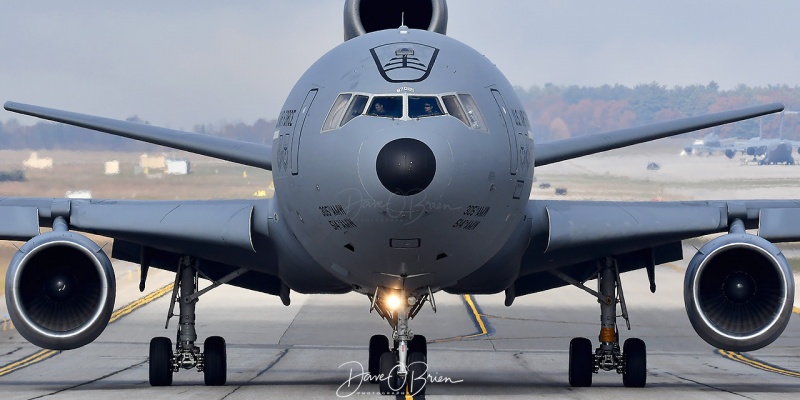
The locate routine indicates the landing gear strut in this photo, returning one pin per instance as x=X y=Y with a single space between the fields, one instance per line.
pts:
x=631 y=360
x=401 y=368
x=186 y=355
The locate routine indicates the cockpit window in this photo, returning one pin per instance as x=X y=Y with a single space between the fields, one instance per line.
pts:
x=386 y=106
x=423 y=106
x=332 y=122
x=464 y=108
x=455 y=109
x=473 y=114
x=406 y=106
x=356 y=108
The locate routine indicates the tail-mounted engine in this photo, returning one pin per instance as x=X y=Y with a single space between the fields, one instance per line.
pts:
x=739 y=292
x=365 y=16
x=60 y=290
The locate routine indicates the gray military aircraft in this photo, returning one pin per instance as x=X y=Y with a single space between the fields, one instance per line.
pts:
x=708 y=145
x=403 y=164
x=765 y=151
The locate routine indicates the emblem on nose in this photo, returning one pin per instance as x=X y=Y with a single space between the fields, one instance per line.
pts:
x=406 y=166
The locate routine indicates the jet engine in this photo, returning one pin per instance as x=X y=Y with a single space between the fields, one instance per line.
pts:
x=739 y=292
x=60 y=290
x=730 y=153
x=365 y=16
x=756 y=150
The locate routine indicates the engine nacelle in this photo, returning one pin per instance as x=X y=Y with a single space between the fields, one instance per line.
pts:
x=365 y=16
x=60 y=290
x=756 y=150
x=739 y=292
x=730 y=153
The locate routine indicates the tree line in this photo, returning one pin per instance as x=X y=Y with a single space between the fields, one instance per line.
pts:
x=557 y=112
x=46 y=135
x=554 y=111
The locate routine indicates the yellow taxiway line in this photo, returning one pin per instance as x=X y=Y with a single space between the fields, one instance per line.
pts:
x=476 y=315
x=44 y=354
x=477 y=318
x=750 y=361
x=29 y=360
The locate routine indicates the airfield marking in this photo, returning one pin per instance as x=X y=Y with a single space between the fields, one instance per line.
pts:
x=484 y=327
x=476 y=316
x=674 y=267
x=132 y=306
x=29 y=360
x=44 y=354
x=756 y=363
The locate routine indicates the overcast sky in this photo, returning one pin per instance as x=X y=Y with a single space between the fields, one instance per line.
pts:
x=178 y=63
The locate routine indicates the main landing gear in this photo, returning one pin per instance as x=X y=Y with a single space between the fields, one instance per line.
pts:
x=166 y=360
x=631 y=360
x=402 y=368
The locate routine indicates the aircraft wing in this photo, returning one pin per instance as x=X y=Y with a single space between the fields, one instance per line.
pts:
x=247 y=153
x=572 y=235
x=152 y=221
x=226 y=235
x=578 y=146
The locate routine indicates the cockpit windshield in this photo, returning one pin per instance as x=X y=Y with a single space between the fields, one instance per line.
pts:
x=473 y=114
x=386 y=106
x=332 y=122
x=348 y=106
x=423 y=106
x=454 y=108
x=356 y=108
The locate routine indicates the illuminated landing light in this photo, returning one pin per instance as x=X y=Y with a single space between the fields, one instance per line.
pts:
x=393 y=302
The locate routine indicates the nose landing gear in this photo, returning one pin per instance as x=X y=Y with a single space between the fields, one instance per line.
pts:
x=402 y=369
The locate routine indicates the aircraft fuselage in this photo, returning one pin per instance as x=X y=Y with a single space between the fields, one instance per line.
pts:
x=368 y=189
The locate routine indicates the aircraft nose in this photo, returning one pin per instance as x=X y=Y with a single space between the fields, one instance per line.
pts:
x=406 y=166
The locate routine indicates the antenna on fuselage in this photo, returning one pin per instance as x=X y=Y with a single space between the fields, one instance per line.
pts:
x=403 y=27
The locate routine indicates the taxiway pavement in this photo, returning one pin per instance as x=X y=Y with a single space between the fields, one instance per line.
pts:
x=485 y=350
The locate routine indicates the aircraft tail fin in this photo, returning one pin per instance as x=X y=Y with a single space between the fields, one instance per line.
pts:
x=253 y=154
x=566 y=149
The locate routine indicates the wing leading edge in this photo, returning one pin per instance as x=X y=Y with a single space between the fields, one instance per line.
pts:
x=247 y=153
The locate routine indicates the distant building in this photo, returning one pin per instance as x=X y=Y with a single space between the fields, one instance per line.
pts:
x=162 y=164
x=112 y=167
x=38 y=163
x=148 y=162
x=79 y=194
x=177 y=167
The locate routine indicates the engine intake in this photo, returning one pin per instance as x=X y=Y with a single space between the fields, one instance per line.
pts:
x=60 y=290
x=739 y=292
x=365 y=16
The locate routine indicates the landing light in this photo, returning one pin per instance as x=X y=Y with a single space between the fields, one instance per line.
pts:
x=393 y=302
